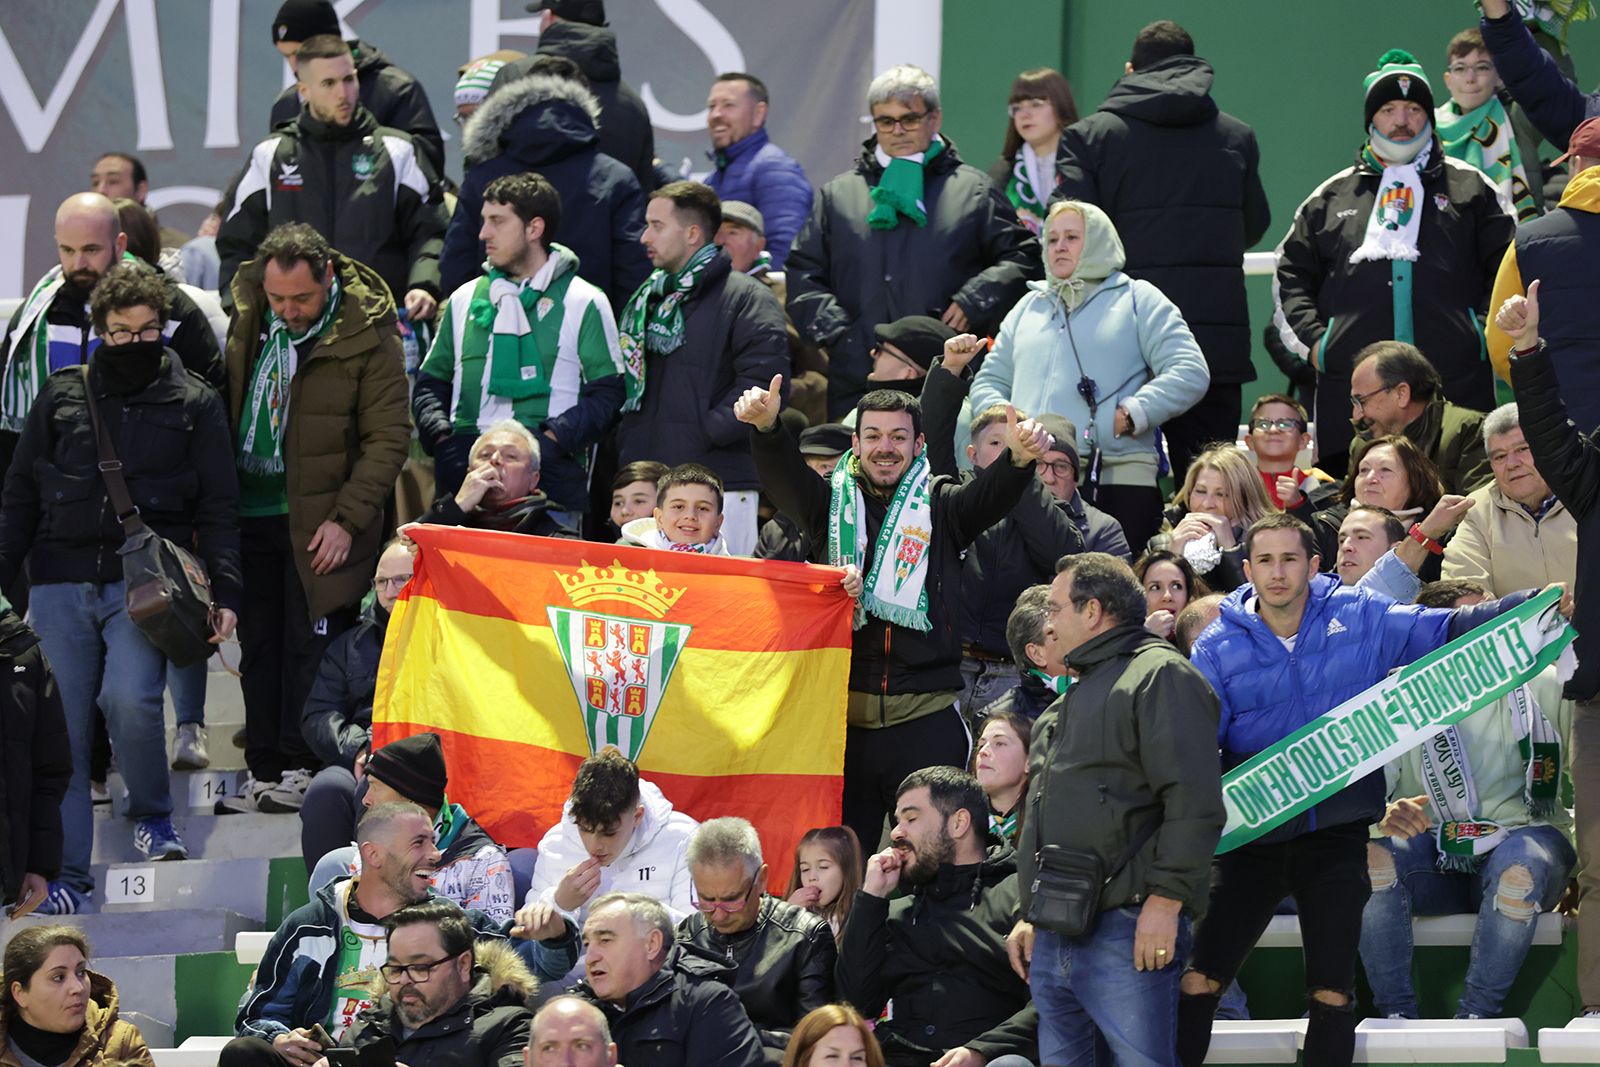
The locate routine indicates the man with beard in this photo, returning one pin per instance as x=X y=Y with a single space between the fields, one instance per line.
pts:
x=1395 y=390
x=52 y=329
x=319 y=968
x=938 y=952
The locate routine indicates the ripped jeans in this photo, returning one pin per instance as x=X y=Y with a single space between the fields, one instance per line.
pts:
x=1525 y=875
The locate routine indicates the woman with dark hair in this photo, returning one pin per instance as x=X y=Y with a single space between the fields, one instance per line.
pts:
x=55 y=1012
x=1041 y=107
x=1394 y=474
x=1170 y=583
x=1000 y=763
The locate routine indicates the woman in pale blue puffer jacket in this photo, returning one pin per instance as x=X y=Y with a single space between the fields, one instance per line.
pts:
x=1110 y=353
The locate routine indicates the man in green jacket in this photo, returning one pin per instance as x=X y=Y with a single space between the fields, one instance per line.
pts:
x=1124 y=767
x=318 y=408
x=1394 y=389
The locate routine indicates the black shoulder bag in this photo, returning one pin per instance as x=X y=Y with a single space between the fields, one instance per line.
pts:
x=166 y=588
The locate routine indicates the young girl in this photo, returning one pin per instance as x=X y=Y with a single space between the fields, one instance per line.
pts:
x=1001 y=767
x=827 y=873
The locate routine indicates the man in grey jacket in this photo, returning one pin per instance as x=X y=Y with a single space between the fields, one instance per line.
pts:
x=1115 y=773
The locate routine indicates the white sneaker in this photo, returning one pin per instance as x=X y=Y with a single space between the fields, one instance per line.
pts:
x=189 y=748
x=248 y=799
x=288 y=794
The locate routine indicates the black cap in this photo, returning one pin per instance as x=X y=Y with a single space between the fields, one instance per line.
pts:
x=591 y=11
x=413 y=767
x=301 y=20
x=921 y=337
x=828 y=439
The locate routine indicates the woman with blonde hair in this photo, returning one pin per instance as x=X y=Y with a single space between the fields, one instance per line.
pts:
x=1206 y=521
x=834 y=1034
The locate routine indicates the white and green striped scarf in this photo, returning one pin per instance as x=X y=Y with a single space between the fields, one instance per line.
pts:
x=26 y=371
x=896 y=585
x=267 y=410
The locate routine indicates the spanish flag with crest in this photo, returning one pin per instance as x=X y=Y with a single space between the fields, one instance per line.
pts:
x=723 y=678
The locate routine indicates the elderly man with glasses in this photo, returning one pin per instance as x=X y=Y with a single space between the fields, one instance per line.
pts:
x=783 y=955
x=885 y=239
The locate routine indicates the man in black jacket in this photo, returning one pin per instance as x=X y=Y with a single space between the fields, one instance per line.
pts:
x=394 y=97
x=1180 y=180
x=1570 y=462
x=577 y=30
x=695 y=337
x=668 y=1004
x=36 y=767
x=884 y=242
x=905 y=661
x=362 y=185
x=1112 y=746
x=938 y=951
x=783 y=956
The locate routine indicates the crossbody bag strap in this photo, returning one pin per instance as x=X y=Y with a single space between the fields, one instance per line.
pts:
x=110 y=466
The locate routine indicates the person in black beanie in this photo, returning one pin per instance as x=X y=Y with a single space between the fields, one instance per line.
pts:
x=472 y=871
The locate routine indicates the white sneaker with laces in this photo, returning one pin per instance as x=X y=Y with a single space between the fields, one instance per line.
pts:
x=189 y=748
x=248 y=799
x=288 y=794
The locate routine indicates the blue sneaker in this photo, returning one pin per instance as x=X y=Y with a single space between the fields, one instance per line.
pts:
x=158 y=840
x=62 y=899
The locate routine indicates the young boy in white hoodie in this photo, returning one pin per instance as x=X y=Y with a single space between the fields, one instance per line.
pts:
x=688 y=514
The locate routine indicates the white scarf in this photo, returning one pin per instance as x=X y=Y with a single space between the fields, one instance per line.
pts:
x=1396 y=217
x=646 y=534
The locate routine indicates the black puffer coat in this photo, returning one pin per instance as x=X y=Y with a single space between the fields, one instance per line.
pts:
x=36 y=761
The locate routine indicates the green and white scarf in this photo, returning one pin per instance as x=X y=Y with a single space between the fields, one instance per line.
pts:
x=1396 y=219
x=1483 y=137
x=899 y=190
x=1054 y=684
x=1463 y=840
x=896 y=584
x=1555 y=17
x=267 y=402
x=1029 y=188
x=498 y=323
x=652 y=322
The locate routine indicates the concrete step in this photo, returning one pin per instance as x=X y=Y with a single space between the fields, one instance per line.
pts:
x=155 y=933
x=196 y=791
x=236 y=885
x=212 y=837
x=145 y=984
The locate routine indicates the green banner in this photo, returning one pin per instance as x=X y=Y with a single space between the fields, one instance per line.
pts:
x=1381 y=723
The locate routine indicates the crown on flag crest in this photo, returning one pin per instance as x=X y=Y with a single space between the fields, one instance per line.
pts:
x=640 y=589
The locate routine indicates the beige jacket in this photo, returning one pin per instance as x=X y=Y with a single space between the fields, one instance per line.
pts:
x=1500 y=545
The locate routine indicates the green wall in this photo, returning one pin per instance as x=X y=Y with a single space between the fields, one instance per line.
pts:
x=1291 y=70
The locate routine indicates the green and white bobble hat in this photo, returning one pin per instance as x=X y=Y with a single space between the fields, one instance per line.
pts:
x=473 y=85
x=1399 y=77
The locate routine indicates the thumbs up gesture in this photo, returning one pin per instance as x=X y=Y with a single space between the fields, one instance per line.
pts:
x=1519 y=317
x=1026 y=438
x=759 y=407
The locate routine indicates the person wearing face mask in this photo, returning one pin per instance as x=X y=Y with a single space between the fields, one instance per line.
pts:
x=1401 y=246
x=56 y=1012
x=170 y=433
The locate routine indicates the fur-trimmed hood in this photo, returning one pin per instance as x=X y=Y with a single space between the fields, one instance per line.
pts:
x=499 y=976
x=536 y=119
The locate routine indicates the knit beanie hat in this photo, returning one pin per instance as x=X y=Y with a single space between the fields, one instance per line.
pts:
x=473 y=85
x=413 y=767
x=1399 y=77
x=301 y=20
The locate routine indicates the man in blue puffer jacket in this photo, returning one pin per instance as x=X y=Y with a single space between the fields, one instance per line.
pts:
x=749 y=167
x=1287 y=648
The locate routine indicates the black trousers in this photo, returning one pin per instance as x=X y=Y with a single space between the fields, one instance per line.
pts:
x=876 y=761
x=1215 y=420
x=280 y=648
x=249 y=1051
x=1136 y=507
x=1326 y=873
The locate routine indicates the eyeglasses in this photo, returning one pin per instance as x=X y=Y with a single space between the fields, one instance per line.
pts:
x=1061 y=468
x=1268 y=425
x=416 y=972
x=897 y=356
x=1479 y=70
x=711 y=907
x=1359 y=400
x=1026 y=104
x=910 y=122
x=127 y=337
x=393 y=581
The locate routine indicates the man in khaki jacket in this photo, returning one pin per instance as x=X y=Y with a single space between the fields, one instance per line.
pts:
x=1517 y=535
x=317 y=402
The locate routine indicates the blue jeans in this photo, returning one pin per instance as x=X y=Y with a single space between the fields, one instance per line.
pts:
x=1086 y=990
x=87 y=636
x=188 y=685
x=1499 y=941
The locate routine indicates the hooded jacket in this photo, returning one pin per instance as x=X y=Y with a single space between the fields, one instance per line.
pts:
x=653 y=862
x=1127 y=745
x=106 y=1038
x=1328 y=308
x=626 y=133
x=35 y=758
x=550 y=125
x=1124 y=335
x=1181 y=181
x=362 y=186
x=394 y=97
x=684 y=1015
x=939 y=953
x=337 y=720
x=1557 y=249
x=347 y=432
x=846 y=278
x=758 y=172
x=783 y=965
x=1348 y=639
x=734 y=338
x=486 y=1028
x=172 y=440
